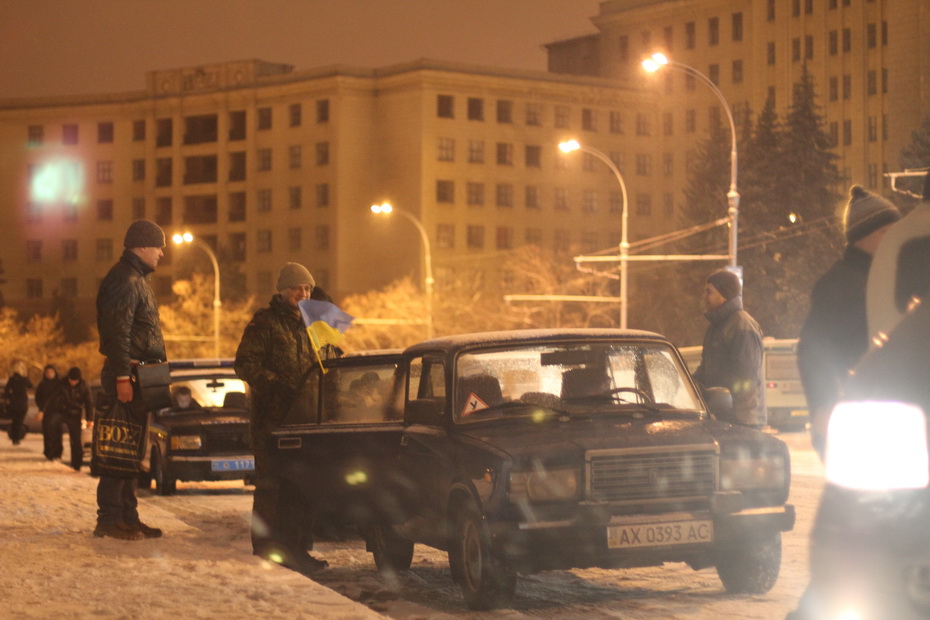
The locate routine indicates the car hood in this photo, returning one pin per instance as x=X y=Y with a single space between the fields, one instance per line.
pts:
x=578 y=436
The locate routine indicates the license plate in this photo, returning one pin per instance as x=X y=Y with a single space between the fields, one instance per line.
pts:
x=797 y=413
x=233 y=465
x=660 y=534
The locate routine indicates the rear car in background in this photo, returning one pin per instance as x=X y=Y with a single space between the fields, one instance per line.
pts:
x=870 y=546
x=784 y=394
x=208 y=440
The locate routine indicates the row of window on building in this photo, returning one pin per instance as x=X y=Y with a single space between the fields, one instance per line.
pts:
x=198 y=129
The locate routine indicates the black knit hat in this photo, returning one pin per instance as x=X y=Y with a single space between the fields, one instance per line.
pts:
x=74 y=374
x=867 y=212
x=144 y=234
x=726 y=282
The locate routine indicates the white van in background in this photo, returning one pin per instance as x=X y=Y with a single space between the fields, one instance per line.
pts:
x=784 y=395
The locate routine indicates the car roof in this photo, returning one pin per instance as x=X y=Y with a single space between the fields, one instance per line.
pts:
x=530 y=336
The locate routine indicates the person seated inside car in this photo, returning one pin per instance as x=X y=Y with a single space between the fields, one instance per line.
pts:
x=183 y=400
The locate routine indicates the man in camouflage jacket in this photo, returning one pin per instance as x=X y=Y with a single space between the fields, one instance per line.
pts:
x=275 y=358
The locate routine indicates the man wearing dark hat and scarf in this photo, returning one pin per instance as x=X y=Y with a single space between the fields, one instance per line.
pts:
x=275 y=358
x=130 y=332
x=732 y=355
x=835 y=334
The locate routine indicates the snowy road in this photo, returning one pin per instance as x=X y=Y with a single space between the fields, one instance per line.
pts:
x=203 y=568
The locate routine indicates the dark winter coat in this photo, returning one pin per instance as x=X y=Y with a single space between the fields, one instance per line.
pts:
x=71 y=400
x=732 y=358
x=16 y=394
x=275 y=358
x=835 y=334
x=127 y=318
x=46 y=387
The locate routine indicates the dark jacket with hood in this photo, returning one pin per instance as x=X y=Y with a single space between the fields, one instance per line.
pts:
x=835 y=334
x=127 y=318
x=732 y=358
x=16 y=394
x=275 y=358
x=71 y=400
x=46 y=387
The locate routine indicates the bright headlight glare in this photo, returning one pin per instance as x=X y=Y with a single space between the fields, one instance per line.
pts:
x=877 y=446
x=186 y=442
x=746 y=473
x=544 y=485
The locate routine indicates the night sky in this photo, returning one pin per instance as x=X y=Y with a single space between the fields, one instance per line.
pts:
x=63 y=47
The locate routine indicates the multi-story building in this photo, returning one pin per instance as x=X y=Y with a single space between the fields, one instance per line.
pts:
x=269 y=165
x=870 y=60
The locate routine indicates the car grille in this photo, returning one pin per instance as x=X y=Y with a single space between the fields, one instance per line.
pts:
x=227 y=438
x=651 y=476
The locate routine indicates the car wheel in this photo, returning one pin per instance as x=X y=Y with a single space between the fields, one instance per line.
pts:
x=391 y=552
x=751 y=567
x=164 y=484
x=486 y=581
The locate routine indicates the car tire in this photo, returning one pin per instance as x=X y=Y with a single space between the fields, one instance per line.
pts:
x=751 y=567
x=164 y=484
x=486 y=581
x=390 y=551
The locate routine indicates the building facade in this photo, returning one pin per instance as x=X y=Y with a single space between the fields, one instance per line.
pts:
x=269 y=165
x=870 y=60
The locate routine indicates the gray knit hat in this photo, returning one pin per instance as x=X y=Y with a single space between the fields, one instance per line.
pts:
x=867 y=212
x=144 y=234
x=294 y=274
x=726 y=282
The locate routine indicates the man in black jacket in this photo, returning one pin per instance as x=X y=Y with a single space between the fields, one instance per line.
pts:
x=732 y=354
x=835 y=334
x=68 y=405
x=130 y=332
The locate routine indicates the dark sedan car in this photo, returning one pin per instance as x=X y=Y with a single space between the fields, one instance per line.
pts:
x=870 y=547
x=535 y=450
x=206 y=438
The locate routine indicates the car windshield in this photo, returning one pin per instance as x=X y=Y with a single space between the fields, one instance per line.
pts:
x=600 y=377
x=211 y=391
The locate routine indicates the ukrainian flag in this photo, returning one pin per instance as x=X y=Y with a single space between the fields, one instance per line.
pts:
x=325 y=324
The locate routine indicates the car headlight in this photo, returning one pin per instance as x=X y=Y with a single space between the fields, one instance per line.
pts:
x=544 y=485
x=186 y=442
x=744 y=472
x=877 y=446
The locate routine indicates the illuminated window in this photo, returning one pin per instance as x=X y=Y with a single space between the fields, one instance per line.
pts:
x=104 y=210
x=476 y=151
x=69 y=134
x=446 y=148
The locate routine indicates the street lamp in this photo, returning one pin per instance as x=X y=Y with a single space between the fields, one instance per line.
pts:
x=573 y=145
x=178 y=239
x=386 y=208
x=656 y=62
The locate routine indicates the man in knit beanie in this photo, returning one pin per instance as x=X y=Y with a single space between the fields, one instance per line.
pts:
x=901 y=269
x=732 y=354
x=835 y=334
x=275 y=358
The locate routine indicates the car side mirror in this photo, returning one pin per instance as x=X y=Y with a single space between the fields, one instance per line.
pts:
x=424 y=411
x=719 y=402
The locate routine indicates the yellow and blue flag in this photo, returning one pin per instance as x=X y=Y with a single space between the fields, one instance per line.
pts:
x=325 y=324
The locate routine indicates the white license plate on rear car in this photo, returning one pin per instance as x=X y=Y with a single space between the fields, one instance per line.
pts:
x=233 y=465
x=660 y=534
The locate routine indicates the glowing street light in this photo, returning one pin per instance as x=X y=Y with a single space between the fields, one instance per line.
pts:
x=573 y=145
x=656 y=62
x=385 y=208
x=180 y=238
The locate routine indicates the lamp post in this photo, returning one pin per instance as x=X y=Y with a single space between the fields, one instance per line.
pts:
x=386 y=208
x=187 y=237
x=573 y=145
x=656 y=62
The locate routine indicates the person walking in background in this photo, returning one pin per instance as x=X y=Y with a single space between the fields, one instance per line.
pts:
x=835 y=334
x=16 y=396
x=732 y=354
x=67 y=406
x=130 y=332
x=275 y=358
x=46 y=387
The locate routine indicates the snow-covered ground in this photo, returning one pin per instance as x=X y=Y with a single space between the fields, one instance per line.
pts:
x=51 y=566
